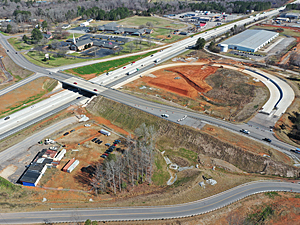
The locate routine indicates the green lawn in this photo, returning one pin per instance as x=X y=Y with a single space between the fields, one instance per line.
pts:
x=75 y=35
x=102 y=67
x=157 y=22
x=36 y=58
x=5 y=34
x=18 y=44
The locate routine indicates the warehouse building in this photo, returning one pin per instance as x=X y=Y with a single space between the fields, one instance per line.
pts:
x=249 y=40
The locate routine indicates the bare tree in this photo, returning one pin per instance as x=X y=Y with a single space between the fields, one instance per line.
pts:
x=131 y=46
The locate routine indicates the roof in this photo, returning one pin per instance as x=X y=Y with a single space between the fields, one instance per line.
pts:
x=111 y=24
x=47 y=36
x=83 y=42
x=251 y=39
x=30 y=176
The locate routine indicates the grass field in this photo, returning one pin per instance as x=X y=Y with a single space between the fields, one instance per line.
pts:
x=100 y=68
x=36 y=58
x=18 y=44
x=157 y=22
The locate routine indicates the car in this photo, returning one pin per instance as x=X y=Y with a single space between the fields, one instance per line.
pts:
x=6 y=118
x=267 y=140
x=75 y=83
x=245 y=131
x=50 y=73
x=87 y=125
x=115 y=144
x=7 y=50
x=103 y=156
x=107 y=73
x=133 y=62
x=117 y=141
x=78 y=98
x=99 y=142
x=95 y=90
x=16 y=53
x=72 y=131
x=151 y=55
x=65 y=134
x=107 y=144
x=108 y=151
x=165 y=115
x=94 y=139
x=63 y=146
x=124 y=67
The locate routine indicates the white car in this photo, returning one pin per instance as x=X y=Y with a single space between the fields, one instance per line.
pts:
x=165 y=115
x=87 y=125
x=245 y=131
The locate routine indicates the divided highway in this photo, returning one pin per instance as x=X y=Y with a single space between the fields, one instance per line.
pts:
x=149 y=213
x=61 y=100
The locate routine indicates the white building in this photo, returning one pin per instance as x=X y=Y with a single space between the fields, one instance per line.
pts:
x=249 y=40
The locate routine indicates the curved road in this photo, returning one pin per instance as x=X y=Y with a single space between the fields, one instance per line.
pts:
x=149 y=213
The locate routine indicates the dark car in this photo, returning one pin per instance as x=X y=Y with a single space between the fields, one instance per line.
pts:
x=99 y=142
x=103 y=156
x=16 y=53
x=267 y=140
x=66 y=133
x=7 y=50
x=107 y=144
x=72 y=131
x=94 y=139
x=6 y=118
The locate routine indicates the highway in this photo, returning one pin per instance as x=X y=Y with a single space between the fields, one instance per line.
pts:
x=41 y=110
x=149 y=213
x=18 y=121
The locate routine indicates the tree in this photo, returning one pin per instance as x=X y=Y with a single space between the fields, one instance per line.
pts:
x=44 y=25
x=131 y=46
x=36 y=35
x=200 y=43
x=8 y=28
x=25 y=38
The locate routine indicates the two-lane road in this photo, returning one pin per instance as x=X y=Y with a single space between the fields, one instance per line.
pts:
x=151 y=212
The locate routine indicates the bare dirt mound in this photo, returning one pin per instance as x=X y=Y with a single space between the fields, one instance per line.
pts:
x=183 y=80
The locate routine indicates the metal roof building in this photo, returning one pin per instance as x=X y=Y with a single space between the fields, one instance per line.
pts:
x=250 y=40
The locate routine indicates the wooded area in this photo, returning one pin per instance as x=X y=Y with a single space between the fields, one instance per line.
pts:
x=60 y=11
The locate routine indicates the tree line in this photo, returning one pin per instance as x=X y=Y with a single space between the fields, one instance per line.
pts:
x=61 y=11
x=133 y=167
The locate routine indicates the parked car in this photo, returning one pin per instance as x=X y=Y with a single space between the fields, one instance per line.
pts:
x=103 y=156
x=99 y=142
x=72 y=131
x=66 y=133
x=107 y=144
x=94 y=139
x=245 y=131
x=267 y=140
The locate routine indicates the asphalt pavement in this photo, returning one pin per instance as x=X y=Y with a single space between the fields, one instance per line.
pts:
x=149 y=213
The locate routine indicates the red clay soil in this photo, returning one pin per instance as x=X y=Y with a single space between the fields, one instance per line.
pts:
x=191 y=82
x=15 y=97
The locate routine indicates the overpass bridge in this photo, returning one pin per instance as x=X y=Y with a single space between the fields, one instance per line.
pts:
x=79 y=83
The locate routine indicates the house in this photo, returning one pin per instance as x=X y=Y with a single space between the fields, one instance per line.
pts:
x=66 y=26
x=84 y=24
x=47 y=36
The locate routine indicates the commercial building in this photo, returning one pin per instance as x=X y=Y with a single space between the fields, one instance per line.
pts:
x=118 y=29
x=249 y=40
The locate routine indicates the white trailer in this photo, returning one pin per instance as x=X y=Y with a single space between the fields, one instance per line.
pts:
x=157 y=60
x=60 y=155
x=105 y=132
x=131 y=72
x=73 y=166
